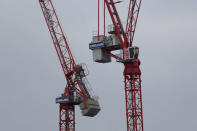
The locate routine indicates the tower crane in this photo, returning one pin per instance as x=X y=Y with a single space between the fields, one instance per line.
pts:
x=76 y=91
x=121 y=38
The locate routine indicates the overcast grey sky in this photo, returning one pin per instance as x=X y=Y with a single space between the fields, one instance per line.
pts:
x=31 y=77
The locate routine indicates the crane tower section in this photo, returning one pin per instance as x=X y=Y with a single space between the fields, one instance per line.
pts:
x=77 y=91
x=121 y=38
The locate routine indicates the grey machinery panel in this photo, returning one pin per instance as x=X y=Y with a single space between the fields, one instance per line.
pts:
x=99 y=56
x=92 y=108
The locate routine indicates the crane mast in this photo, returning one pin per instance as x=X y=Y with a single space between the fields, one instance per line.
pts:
x=121 y=38
x=76 y=91
x=132 y=73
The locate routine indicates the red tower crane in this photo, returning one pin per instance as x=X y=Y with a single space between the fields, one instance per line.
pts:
x=76 y=91
x=121 y=38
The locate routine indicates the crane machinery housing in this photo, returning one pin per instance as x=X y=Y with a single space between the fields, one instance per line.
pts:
x=76 y=91
x=121 y=38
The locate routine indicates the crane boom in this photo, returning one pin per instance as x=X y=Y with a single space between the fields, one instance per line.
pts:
x=59 y=40
x=134 y=9
x=76 y=91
